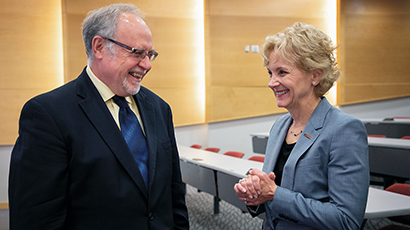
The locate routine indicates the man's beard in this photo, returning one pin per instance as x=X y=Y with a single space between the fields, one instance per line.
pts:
x=129 y=88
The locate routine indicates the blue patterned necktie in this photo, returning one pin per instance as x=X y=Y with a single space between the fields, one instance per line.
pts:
x=132 y=132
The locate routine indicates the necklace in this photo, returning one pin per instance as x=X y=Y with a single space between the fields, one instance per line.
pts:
x=295 y=134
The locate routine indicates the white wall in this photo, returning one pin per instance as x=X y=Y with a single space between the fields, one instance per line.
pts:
x=235 y=135
x=5 y=152
x=380 y=109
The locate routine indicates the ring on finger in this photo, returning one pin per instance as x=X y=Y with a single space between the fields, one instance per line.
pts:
x=243 y=179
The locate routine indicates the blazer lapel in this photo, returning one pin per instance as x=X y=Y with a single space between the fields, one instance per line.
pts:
x=306 y=139
x=275 y=144
x=99 y=115
x=310 y=133
x=147 y=112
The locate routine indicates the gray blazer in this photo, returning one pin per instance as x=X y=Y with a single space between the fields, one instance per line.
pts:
x=326 y=177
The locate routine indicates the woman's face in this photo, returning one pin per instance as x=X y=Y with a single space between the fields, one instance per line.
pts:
x=293 y=88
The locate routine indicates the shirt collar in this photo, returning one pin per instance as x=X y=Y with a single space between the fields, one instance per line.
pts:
x=102 y=88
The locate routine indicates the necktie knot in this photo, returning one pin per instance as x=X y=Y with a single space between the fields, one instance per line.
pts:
x=120 y=101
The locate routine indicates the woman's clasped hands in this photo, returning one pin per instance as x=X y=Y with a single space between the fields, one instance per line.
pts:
x=257 y=188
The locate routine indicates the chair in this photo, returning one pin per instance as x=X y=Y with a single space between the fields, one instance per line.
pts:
x=403 y=189
x=195 y=146
x=234 y=154
x=405 y=137
x=401 y=117
x=212 y=149
x=257 y=158
x=374 y=135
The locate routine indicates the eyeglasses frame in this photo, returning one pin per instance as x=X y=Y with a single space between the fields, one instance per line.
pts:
x=153 y=54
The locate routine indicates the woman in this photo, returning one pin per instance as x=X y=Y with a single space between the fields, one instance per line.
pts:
x=315 y=174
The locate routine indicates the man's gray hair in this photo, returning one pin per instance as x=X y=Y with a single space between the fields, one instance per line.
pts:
x=103 y=22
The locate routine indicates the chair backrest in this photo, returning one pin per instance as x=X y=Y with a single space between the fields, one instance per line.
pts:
x=403 y=189
x=405 y=137
x=375 y=135
x=234 y=154
x=195 y=146
x=213 y=149
x=257 y=158
x=399 y=188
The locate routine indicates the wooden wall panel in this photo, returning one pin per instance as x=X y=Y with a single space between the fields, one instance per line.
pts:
x=174 y=74
x=374 y=54
x=239 y=102
x=31 y=57
x=237 y=82
x=375 y=50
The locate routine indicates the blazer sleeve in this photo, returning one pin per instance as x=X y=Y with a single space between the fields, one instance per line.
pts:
x=180 y=212
x=39 y=157
x=347 y=178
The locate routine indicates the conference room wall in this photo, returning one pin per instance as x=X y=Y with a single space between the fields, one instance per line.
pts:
x=177 y=33
x=31 y=59
x=235 y=134
x=232 y=74
x=31 y=39
x=374 y=39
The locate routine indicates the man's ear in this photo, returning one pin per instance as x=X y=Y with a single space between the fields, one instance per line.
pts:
x=98 y=44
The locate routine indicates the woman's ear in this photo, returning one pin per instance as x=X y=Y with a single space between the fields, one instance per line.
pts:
x=316 y=76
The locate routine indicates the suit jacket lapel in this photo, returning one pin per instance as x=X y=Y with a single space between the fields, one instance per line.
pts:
x=306 y=139
x=147 y=112
x=99 y=115
x=275 y=144
x=310 y=133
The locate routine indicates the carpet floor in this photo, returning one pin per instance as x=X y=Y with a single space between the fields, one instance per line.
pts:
x=201 y=216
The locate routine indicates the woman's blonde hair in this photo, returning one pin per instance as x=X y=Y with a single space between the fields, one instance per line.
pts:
x=309 y=48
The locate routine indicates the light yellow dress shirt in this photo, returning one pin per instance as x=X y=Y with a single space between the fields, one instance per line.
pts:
x=107 y=95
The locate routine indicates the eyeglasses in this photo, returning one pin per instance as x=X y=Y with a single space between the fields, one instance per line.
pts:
x=138 y=53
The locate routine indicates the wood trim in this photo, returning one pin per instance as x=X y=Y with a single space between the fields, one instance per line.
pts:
x=4 y=205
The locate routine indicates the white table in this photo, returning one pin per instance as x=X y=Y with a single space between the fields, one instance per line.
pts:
x=394 y=143
x=228 y=170
x=382 y=203
x=386 y=120
x=389 y=157
x=203 y=169
x=219 y=162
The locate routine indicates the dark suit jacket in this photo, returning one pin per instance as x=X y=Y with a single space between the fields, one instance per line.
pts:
x=71 y=167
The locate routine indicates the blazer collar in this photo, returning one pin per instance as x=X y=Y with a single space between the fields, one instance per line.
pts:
x=309 y=135
x=96 y=110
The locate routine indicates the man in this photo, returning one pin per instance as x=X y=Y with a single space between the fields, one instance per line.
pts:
x=72 y=168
